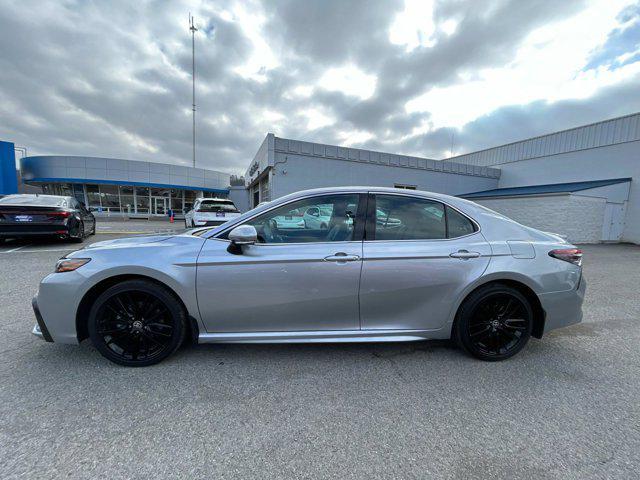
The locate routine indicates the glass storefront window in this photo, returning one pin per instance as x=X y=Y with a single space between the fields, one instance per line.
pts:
x=126 y=200
x=142 y=199
x=189 y=197
x=93 y=196
x=110 y=198
x=176 y=200
x=78 y=192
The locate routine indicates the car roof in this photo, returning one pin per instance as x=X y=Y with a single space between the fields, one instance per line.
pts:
x=7 y=200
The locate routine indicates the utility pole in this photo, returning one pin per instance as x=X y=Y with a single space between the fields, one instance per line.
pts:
x=193 y=30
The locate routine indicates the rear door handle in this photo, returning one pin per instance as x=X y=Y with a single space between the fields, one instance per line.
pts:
x=341 y=257
x=464 y=254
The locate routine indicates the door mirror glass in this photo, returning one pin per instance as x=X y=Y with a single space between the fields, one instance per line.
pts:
x=243 y=235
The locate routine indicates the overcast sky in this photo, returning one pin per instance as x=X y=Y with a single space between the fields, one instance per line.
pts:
x=109 y=78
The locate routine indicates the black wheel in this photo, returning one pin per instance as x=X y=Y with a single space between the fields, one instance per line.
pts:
x=137 y=323
x=93 y=230
x=494 y=323
x=80 y=235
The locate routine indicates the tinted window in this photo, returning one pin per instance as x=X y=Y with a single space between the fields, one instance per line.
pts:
x=217 y=206
x=407 y=218
x=329 y=218
x=458 y=224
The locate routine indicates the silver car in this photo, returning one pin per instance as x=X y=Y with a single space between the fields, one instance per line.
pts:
x=446 y=268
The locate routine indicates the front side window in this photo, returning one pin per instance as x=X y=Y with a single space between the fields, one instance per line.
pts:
x=329 y=218
x=408 y=218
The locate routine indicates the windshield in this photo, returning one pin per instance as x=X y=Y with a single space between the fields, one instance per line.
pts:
x=217 y=206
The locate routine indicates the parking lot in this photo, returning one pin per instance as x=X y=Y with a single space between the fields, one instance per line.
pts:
x=566 y=407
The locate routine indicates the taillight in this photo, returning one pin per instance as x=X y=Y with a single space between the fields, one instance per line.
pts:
x=59 y=214
x=571 y=255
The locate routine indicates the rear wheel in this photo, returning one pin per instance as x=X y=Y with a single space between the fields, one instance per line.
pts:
x=80 y=235
x=137 y=323
x=494 y=323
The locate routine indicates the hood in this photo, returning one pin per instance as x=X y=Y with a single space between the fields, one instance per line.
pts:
x=129 y=241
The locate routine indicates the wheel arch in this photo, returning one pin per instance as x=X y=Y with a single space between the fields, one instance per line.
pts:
x=518 y=284
x=90 y=296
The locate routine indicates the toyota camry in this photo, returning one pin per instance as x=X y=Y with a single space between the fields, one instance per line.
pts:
x=444 y=268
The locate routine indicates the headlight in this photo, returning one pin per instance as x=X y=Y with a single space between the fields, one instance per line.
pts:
x=70 y=264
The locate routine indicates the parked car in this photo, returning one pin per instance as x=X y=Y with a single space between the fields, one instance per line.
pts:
x=317 y=216
x=210 y=212
x=451 y=269
x=291 y=219
x=45 y=215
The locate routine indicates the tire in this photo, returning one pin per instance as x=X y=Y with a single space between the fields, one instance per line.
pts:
x=93 y=230
x=81 y=234
x=119 y=331
x=493 y=323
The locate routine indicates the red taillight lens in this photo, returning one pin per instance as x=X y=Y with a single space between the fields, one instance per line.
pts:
x=571 y=255
x=59 y=214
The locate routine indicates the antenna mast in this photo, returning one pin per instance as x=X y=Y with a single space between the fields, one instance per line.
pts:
x=193 y=30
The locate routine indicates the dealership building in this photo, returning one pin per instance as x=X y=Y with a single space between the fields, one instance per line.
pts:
x=581 y=182
x=110 y=186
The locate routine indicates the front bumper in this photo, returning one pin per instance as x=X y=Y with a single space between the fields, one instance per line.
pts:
x=40 y=329
x=563 y=308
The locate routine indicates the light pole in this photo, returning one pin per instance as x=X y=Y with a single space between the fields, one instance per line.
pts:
x=193 y=30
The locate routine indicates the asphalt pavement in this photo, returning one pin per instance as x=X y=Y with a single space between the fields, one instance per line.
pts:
x=565 y=408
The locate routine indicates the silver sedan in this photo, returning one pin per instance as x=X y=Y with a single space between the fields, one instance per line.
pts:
x=445 y=268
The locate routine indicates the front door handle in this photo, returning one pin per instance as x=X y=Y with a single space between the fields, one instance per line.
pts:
x=464 y=254
x=341 y=257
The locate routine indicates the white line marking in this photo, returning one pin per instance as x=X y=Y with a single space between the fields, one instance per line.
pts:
x=16 y=249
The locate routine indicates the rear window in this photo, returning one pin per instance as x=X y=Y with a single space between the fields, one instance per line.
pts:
x=42 y=200
x=217 y=206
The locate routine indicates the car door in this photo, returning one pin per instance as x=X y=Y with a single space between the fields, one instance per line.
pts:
x=298 y=279
x=416 y=266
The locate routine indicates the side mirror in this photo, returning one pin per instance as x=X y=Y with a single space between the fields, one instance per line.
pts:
x=243 y=235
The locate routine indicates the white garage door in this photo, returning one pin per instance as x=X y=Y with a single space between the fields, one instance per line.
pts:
x=579 y=218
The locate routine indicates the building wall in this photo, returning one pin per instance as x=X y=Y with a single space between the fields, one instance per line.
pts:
x=612 y=161
x=608 y=132
x=294 y=172
x=579 y=218
x=102 y=170
x=240 y=197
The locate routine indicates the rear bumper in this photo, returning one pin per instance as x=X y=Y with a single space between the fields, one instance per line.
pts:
x=563 y=308
x=33 y=230
x=40 y=329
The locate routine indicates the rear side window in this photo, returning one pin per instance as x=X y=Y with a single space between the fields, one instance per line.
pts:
x=458 y=224
x=408 y=218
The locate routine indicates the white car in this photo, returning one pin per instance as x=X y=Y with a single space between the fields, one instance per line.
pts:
x=317 y=217
x=292 y=219
x=208 y=212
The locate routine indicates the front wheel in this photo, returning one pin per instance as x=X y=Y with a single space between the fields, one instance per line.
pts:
x=494 y=323
x=137 y=323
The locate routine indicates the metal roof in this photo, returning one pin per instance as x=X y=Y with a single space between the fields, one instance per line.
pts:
x=600 y=134
x=542 y=189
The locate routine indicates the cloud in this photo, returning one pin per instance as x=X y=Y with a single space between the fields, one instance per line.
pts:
x=114 y=78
